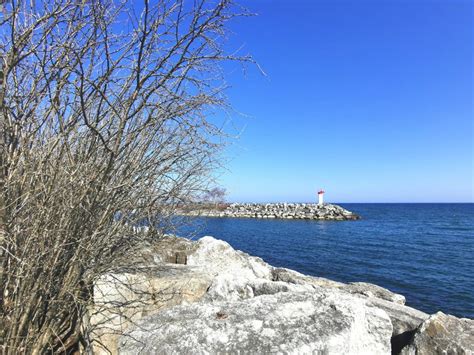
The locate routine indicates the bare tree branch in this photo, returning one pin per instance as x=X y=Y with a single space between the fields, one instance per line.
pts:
x=104 y=127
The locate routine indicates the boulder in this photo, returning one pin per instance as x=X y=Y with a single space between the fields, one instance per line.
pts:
x=220 y=279
x=442 y=334
x=404 y=319
x=122 y=299
x=362 y=288
x=233 y=272
x=294 y=277
x=290 y=323
x=372 y=290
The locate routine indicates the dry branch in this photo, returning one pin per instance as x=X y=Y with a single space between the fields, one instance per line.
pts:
x=104 y=126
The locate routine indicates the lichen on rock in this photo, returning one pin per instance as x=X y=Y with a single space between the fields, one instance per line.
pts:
x=442 y=334
x=285 y=322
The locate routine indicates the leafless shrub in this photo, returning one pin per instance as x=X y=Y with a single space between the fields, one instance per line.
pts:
x=216 y=196
x=104 y=125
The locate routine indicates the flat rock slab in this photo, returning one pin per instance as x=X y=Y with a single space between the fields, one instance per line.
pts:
x=371 y=290
x=290 y=323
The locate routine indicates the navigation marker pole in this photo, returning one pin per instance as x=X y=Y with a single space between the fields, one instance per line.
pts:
x=321 y=197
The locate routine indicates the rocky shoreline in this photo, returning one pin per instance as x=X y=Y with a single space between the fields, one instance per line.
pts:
x=205 y=297
x=309 y=211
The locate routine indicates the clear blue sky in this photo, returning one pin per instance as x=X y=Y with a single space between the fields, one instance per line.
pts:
x=370 y=100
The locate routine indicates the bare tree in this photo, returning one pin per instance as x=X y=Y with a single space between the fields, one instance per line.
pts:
x=104 y=126
x=215 y=195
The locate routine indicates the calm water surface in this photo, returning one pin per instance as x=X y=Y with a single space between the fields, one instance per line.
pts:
x=423 y=251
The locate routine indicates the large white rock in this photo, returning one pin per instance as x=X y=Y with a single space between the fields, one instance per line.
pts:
x=286 y=323
x=122 y=299
x=219 y=278
x=218 y=257
x=362 y=288
x=233 y=271
x=404 y=319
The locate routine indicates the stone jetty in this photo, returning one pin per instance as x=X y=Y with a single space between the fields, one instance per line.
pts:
x=309 y=211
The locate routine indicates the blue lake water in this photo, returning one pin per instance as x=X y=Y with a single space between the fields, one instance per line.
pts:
x=423 y=251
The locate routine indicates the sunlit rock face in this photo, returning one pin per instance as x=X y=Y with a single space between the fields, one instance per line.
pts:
x=284 y=322
x=205 y=297
x=442 y=334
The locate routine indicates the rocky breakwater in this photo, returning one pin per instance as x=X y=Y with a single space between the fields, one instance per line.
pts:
x=281 y=210
x=205 y=297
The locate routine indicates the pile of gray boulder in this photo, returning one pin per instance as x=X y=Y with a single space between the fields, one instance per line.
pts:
x=281 y=210
x=205 y=297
